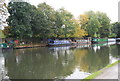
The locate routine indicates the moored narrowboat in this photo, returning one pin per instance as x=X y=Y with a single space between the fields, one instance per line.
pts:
x=68 y=42
x=84 y=41
x=58 y=42
x=99 y=40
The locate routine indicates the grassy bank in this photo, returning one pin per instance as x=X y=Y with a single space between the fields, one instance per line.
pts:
x=99 y=72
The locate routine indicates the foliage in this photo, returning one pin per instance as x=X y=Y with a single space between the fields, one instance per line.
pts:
x=116 y=29
x=44 y=20
x=2 y=34
x=20 y=19
x=83 y=21
x=68 y=26
x=97 y=24
x=26 y=21
x=78 y=31
x=105 y=28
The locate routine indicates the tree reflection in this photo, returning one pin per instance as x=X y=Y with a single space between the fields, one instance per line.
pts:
x=39 y=64
x=90 y=61
x=114 y=51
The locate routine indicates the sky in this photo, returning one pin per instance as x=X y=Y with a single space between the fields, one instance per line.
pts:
x=77 y=7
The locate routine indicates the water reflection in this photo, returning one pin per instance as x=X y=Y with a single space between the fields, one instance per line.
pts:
x=76 y=62
x=3 y=69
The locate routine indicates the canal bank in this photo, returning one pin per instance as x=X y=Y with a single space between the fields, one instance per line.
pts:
x=109 y=72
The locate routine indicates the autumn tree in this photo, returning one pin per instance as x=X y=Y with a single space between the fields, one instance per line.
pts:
x=78 y=31
x=83 y=21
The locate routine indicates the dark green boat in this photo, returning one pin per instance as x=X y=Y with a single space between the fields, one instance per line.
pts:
x=99 y=40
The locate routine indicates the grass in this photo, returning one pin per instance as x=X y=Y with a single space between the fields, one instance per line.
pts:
x=110 y=65
x=92 y=76
x=99 y=72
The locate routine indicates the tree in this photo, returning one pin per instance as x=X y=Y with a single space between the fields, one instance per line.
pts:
x=105 y=28
x=44 y=21
x=20 y=19
x=115 y=29
x=57 y=28
x=97 y=24
x=2 y=34
x=6 y=31
x=83 y=21
x=92 y=24
x=67 y=25
x=78 y=31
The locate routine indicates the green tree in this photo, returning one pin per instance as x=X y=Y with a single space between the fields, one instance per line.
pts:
x=97 y=24
x=58 y=30
x=115 y=29
x=20 y=19
x=93 y=24
x=45 y=20
x=105 y=28
x=68 y=25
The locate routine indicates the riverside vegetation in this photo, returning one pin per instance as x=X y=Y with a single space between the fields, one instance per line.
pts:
x=43 y=21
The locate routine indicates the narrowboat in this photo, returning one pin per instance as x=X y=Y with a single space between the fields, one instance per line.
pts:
x=59 y=42
x=99 y=40
x=103 y=40
x=83 y=41
x=68 y=42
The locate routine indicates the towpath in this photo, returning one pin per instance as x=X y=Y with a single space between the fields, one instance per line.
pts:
x=110 y=73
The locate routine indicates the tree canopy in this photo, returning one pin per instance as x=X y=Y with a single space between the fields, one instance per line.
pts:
x=43 y=21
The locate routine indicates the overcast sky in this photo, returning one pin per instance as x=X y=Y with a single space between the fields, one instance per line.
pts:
x=77 y=7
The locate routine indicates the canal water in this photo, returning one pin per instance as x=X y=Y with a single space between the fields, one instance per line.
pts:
x=70 y=62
